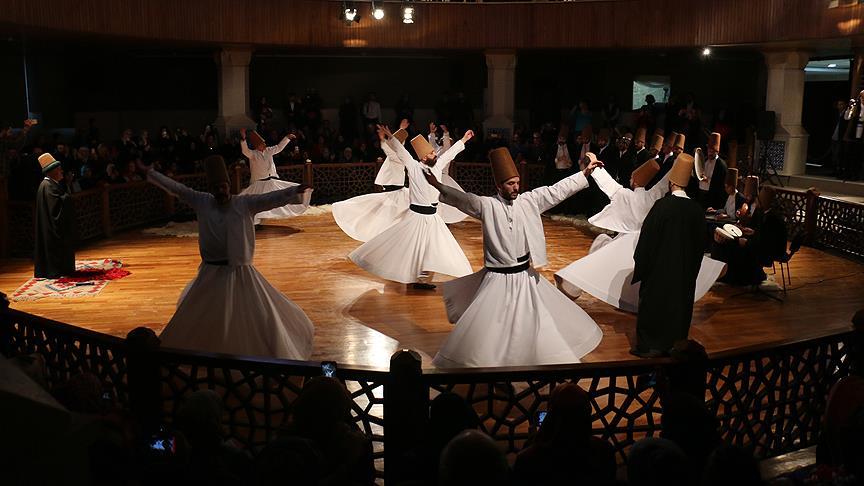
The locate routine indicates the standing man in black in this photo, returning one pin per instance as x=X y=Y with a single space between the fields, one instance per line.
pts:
x=55 y=223
x=668 y=257
x=711 y=187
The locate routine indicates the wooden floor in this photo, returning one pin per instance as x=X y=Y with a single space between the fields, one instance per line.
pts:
x=362 y=320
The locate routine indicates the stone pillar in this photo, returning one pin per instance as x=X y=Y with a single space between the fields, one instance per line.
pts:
x=500 y=92
x=785 y=96
x=233 y=90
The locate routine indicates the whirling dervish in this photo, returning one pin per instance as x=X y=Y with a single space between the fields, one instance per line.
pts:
x=264 y=177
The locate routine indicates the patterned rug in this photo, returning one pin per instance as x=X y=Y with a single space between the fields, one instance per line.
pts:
x=189 y=229
x=91 y=276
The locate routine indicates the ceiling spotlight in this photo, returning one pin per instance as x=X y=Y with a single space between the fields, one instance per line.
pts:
x=832 y=65
x=408 y=15
x=706 y=52
x=349 y=12
x=377 y=11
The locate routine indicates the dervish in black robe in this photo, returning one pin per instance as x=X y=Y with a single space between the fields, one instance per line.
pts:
x=54 y=254
x=667 y=257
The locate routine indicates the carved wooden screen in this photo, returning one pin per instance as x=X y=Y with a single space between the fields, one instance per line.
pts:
x=336 y=182
x=840 y=225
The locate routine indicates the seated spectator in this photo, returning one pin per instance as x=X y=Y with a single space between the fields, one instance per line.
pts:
x=473 y=458
x=347 y=155
x=731 y=465
x=656 y=462
x=212 y=460
x=112 y=176
x=321 y=415
x=840 y=448
x=131 y=172
x=448 y=416
x=564 y=451
x=87 y=181
x=688 y=423
x=289 y=457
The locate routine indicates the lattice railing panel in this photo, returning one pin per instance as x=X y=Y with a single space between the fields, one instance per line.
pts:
x=793 y=204
x=134 y=204
x=292 y=173
x=258 y=396
x=622 y=412
x=474 y=177
x=88 y=213
x=772 y=403
x=67 y=350
x=840 y=225
x=336 y=182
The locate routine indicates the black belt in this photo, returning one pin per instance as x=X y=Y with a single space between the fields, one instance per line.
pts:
x=423 y=209
x=518 y=268
x=268 y=178
x=221 y=263
x=388 y=188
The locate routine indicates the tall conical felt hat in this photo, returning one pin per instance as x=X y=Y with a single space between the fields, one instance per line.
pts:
x=679 y=141
x=503 y=167
x=751 y=186
x=681 y=170
x=400 y=135
x=255 y=139
x=714 y=141
x=48 y=162
x=732 y=157
x=656 y=142
x=732 y=177
x=421 y=146
x=643 y=174
x=641 y=134
x=216 y=170
x=670 y=140
x=766 y=197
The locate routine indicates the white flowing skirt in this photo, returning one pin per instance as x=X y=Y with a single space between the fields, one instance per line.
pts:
x=607 y=273
x=517 y=319
x=287 y=211
x=367 y=216
x=233 y=309
x=417 y=243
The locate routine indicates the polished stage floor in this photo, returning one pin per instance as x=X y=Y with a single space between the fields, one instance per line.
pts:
x=362 y=320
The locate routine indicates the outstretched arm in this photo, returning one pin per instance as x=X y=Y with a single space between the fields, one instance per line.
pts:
x=182 y=192
x=606 y=183
x=548 y=197
x=275 y=149
x=269 y=200
x=244 y=146
x=464 y=201
x=452 y=152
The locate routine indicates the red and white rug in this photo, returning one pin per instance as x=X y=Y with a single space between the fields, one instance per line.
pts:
x=90 y=277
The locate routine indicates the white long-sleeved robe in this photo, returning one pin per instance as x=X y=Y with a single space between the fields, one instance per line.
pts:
x=513 y=319
x=264 y=179
x=607 y=271
x=229 y=307
x=417 y=243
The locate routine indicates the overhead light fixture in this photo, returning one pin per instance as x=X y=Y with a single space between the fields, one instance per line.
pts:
x=349 y=13
x=408 y=14
x=832 y=65
x=377 y=10
x=706 y=52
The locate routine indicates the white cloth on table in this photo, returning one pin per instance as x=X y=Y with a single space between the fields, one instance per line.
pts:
x=229 y=307
x=513 y=319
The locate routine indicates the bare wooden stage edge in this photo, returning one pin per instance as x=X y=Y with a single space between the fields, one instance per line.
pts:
x=360 y=319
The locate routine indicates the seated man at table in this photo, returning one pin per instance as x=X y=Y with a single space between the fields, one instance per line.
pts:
x=734 y=200
x=762 y=242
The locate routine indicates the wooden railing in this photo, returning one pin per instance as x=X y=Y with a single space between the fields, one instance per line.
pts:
x=768 y=399
x=827 y=222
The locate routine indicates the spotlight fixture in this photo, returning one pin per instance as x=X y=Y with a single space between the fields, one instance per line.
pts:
x=349 y=13
x=377 y=10
x=832 y=65
x=706 y=52
x=408 y=14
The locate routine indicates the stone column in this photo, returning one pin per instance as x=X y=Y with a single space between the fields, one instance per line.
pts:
x=785 y=96
x=233 y=90
x=500 y=92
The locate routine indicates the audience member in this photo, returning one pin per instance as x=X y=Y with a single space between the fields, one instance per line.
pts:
x=473 y=458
